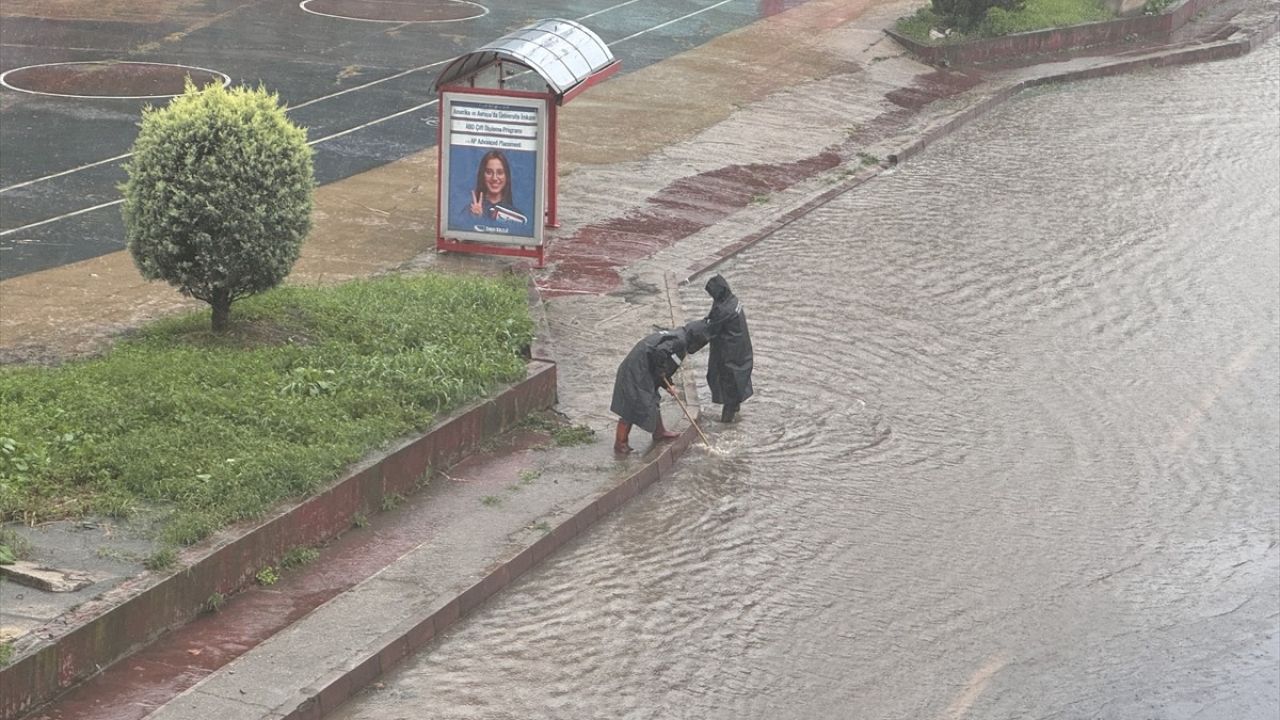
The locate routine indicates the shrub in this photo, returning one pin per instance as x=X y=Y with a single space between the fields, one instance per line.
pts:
x=219 y=193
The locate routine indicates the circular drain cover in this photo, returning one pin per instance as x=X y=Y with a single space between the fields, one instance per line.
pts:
x=108 y=79
x=430 y=11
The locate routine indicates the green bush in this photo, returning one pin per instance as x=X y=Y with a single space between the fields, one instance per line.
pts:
x=219 y=194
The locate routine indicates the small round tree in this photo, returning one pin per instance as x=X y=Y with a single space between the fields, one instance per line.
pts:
x=219 y=192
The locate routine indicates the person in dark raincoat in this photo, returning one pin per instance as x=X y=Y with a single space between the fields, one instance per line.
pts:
x=647 y=368
x=730 y=361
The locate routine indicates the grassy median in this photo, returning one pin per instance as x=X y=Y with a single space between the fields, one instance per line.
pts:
x=1035 y=15
x=209 y=429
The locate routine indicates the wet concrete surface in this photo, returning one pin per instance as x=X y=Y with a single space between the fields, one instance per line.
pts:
x=105 y=550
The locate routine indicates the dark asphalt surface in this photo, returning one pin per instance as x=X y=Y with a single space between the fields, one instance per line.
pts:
x=52 y=148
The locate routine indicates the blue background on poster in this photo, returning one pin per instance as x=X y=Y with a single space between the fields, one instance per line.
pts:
x=464 y=161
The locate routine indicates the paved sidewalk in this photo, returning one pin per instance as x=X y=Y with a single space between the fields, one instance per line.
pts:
x=657 y=200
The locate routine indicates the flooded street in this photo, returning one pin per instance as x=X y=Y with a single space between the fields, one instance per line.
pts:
x=1013 y=451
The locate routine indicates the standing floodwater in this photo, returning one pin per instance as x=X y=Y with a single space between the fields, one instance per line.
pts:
x=1012 y=452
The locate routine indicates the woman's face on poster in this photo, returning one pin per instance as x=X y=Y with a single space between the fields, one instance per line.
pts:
x=495 y=177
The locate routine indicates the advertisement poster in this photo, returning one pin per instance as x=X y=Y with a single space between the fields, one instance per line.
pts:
x=493 y=169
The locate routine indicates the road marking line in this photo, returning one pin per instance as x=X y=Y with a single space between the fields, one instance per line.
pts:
x=327 y=97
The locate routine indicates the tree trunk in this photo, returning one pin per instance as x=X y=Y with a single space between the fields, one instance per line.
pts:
x=221 y=304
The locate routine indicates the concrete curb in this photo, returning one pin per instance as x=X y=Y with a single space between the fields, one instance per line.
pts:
x=133 y=614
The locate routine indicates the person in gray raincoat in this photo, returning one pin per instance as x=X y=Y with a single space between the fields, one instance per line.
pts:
x=730 y=361
x=648 y=367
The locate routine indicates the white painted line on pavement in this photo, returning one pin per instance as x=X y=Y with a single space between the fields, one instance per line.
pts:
x=328 y=97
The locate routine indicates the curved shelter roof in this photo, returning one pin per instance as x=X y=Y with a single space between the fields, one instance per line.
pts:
x=565 y=53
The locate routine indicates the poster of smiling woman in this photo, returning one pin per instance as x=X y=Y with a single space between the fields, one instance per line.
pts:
x=493 y=168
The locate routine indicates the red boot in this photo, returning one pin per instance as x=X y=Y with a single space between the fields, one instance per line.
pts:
x=620 y=437
x=661 y=433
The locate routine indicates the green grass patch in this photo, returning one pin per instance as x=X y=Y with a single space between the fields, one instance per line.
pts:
x=13 y=547
x=267 y=576
x=571 y=435
x=298 y=557
x=161 y=560
x=215 y=603
x=216 y=428
x=1036 y=15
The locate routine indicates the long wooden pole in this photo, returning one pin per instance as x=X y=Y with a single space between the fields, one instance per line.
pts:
x=686 y=411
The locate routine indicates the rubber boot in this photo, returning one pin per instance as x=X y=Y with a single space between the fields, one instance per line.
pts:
x=726 y=415
x=661 y=433
x=620 y=437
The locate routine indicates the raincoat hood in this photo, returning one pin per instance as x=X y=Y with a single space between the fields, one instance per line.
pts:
x=696 y=335
x=717 y=287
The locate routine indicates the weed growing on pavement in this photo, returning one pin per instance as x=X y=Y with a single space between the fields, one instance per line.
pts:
x=573 y=435
x=360 y=520
x=13 y=547
x=161 y=560
x=391 y=501
x=215 y=602
x=116 y=554
x=6 y=653
x=299 y=556
x=528 y=475
x=538 y=422
x=491 y=501
x=267 y=576
x=221 y=426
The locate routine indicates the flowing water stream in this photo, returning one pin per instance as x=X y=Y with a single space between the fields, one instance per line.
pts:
x=1014 y=450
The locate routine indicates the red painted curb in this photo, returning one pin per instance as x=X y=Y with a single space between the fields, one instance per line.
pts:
x=133 y=614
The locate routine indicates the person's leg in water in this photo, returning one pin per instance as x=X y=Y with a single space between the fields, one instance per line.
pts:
x=620 y=437
x=729 y=411
x=661 y=432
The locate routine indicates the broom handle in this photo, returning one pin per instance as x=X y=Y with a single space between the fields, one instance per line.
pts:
x=686 y=411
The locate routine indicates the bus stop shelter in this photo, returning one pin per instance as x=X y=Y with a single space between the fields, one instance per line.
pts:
x=497 y=184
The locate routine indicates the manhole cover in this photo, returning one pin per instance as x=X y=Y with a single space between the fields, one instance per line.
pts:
x=108 y=79
x=431 y=11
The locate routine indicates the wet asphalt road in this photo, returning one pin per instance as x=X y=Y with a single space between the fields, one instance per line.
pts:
x=1013 y=452
x=363 y=89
